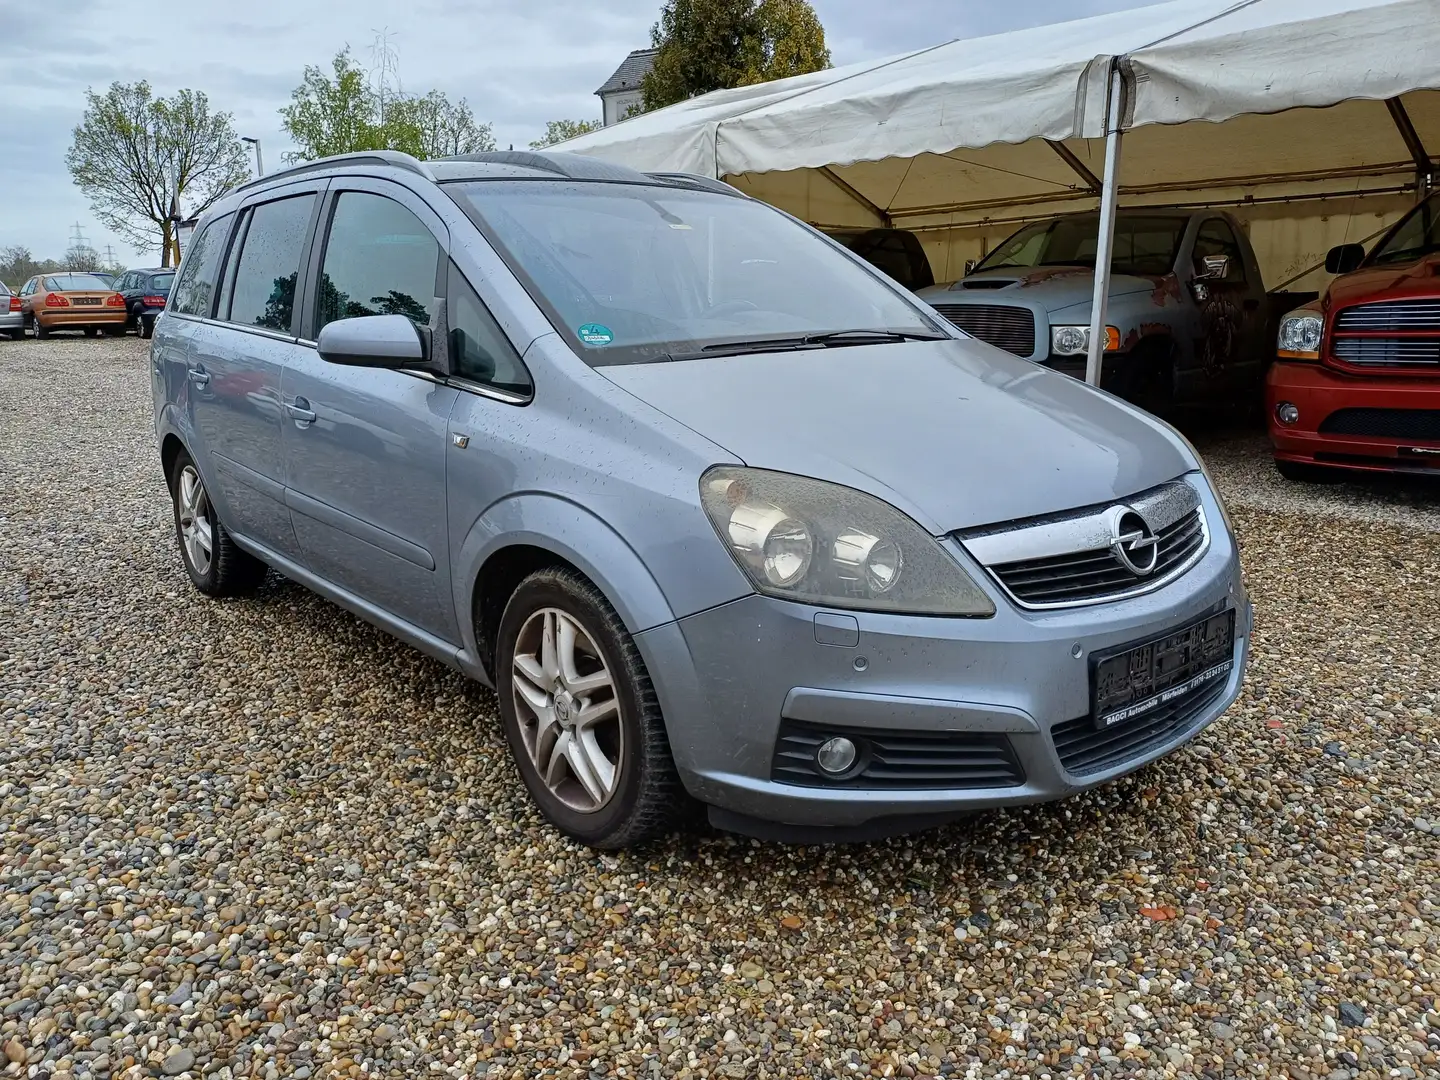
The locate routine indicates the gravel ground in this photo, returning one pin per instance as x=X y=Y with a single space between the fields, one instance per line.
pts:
x=261 y=839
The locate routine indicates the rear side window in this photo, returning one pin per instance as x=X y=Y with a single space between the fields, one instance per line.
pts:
x=264 y=290
x=380 y=259
x=479 y=349
x=195 y=288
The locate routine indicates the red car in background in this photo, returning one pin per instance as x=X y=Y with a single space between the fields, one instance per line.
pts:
x=1356 y=382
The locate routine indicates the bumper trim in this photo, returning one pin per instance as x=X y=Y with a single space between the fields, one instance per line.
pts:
x=894 y=712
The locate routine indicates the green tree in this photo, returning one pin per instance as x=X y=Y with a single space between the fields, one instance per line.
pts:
x=348 y=111
x=18 y=265
x=433 y=126
x=82 y=258
x=560 y=130
x=139 y=158
x=332 y=116
x=706 y=45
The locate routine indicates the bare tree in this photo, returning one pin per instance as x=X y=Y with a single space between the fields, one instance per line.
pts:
x=139 y=158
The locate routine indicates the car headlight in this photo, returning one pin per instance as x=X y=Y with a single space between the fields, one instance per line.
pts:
x=1075 y=340
x=821 y=543
x=1300 y=334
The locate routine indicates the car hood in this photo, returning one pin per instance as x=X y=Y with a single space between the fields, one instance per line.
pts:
x=1396 y=282
x=955 y=433
x=1053 y=287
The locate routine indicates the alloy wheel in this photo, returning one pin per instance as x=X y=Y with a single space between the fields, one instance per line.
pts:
x=568 y=710
x=196 y=531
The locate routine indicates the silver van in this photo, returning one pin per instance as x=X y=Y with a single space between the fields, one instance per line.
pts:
x=726 y=516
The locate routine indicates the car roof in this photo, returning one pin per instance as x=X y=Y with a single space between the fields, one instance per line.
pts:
x=490 y=165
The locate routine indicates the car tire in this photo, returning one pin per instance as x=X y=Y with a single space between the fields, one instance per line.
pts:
x=18 y=335
x=40 y=331
x=223 y=570
x=114 y=331
x=562 y=652
x=146 y=326
x=92 y=331
x=1301 y=472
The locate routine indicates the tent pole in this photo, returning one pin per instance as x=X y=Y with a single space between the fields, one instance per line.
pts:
x=1114 y=117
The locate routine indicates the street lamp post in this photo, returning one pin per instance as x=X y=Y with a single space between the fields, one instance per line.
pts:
x=259 y=162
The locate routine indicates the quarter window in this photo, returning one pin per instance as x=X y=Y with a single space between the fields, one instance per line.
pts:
x=379 y=260
x=264 y=289
x=195 y=290
x=479 y=349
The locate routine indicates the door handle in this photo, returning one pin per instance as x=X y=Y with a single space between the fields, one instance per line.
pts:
x=300 y=410
x=198 y=375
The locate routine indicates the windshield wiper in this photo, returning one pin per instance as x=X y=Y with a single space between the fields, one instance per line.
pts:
x=829 y=340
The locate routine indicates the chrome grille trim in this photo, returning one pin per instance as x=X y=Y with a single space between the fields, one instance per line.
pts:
x=1005 y=326
x=1390 y=315
x=1388 y=352
x=1021 y=555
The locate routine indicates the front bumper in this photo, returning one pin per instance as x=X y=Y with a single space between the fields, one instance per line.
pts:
x=1318 y=392
x=731 y=678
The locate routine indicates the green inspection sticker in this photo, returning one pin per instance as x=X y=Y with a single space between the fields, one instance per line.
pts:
x=593 y=333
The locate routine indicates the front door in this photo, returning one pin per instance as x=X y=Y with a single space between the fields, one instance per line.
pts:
x=1232 y=312
x=365 y=447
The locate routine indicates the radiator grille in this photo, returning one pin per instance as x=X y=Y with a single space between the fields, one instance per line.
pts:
x=1083 y=749
x=1096 y=574
x=1388 y=352
x=1008 y=328
x=1420 y=424
x=1391 y=315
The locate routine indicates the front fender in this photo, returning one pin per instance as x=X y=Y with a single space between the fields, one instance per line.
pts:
x=571 y=532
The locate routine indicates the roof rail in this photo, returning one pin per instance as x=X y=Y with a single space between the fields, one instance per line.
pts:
x=561 y=163
x=708 y=183
x=394 y=158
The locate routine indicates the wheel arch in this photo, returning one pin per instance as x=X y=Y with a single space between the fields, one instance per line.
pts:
x=527 y=532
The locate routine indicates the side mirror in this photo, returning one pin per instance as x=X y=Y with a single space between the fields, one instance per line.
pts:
x=970 y=265
x=1215 y=268
x=378 y=341
x=1344 y=259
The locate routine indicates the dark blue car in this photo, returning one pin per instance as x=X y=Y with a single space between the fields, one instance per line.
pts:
x=145 y=293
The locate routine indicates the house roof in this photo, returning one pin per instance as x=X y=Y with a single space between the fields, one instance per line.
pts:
x=631 y=71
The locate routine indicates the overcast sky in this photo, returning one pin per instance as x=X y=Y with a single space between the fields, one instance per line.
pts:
x=519 y=65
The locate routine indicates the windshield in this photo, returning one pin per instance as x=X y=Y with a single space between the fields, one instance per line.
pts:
x=74 y=282
x=632 y=273
x=1145 y=244
x=1416 y=235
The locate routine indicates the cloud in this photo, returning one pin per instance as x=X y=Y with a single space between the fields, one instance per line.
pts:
x=518 y=65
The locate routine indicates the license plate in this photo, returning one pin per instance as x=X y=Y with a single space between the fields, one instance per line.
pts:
x=86 y=300
x=1133 y=682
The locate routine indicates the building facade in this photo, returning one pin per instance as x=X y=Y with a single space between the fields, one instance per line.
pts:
x=621 y=92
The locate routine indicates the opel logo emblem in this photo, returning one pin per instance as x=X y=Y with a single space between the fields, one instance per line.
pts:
x=1137 y=548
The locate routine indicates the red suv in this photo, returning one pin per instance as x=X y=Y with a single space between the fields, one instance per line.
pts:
x=1356 y=384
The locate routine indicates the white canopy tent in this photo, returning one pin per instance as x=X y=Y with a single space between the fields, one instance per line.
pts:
x=1306 y=114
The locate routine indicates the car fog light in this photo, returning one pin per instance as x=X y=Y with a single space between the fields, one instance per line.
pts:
x=835 y=756
x=1287 y=413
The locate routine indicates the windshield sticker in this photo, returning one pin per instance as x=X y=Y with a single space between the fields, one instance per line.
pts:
x=595 y=334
